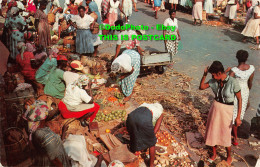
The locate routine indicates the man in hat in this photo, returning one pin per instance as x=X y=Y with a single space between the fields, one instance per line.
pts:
x=124 y=44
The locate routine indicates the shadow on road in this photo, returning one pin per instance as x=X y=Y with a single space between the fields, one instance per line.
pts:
x=251 y=159
x=235 y=36
x=147 y=12
x=186 y=21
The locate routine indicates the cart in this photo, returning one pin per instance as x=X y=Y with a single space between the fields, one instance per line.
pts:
x=155 y=60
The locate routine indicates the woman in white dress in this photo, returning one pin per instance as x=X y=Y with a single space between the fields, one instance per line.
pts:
x=208 y=6
x=244 y=73
x=252 y=27
x=127 y=8
x=173 y=2
x=231 y=10
x=172 y=45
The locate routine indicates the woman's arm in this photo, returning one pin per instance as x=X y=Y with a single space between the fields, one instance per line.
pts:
x=239 y=107
x=256 y=16
x=56 y=10
x=204 y=85
x=118 y=47
x=66 y=11
x=178 y=34
x=158 y=124
x=231 y=73
x=250 y=81
x=127 y=74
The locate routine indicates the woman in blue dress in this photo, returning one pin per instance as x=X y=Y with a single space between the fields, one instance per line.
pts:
x=15 y=23
x=92 y=6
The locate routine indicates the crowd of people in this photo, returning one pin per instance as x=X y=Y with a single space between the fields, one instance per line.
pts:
x=28 y=35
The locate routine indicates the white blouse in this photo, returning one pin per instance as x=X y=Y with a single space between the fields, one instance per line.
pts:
x=257 y=10
x=156 y=109
x=113 y=6
x=82 y=23
x=170 y=22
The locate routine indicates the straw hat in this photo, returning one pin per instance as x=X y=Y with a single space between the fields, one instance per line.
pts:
x=76 y=65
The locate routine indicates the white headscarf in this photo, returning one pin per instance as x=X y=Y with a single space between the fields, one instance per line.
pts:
x=83 y=80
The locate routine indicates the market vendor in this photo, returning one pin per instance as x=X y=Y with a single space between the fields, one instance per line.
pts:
x=127 y=44
x=49 y=149
x=219 y=123
x=142 y=125
x=231 y=10
x=77 y=103
x=51 y=75
x=127 y=65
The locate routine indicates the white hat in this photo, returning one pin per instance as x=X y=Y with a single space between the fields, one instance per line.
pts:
x=141 y=31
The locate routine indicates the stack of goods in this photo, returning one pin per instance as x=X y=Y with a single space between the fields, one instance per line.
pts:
x=112 y=108
x=96 y=66
x=168 y=152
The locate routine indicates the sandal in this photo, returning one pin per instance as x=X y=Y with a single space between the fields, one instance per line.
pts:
x=212 y=160
x=84 y=123
x=235 y=143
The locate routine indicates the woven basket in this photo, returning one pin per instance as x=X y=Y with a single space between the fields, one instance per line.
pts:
x=204 y=15
x=68 y=40
x=51 y=18
x=96 y=28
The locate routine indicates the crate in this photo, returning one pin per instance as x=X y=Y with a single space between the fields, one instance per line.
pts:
x=156 y=58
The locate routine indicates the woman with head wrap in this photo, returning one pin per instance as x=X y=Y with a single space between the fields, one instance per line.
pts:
x=77 y=103
x=42 y=26
x=24 y=60
x=49 y=149
x=142 y=124
x=15 y=24
x=128 y=67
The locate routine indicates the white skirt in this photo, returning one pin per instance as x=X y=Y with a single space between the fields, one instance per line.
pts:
x=231 y=11
x=197 y=11
x=174 y=1
x=252 y=28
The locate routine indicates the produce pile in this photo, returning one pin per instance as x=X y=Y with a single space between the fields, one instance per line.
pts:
x=111 y=105
x=185 y=109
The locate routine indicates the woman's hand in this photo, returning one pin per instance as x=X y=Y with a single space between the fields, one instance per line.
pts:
x=238 y=121
x=29 y=102
x=206 y=71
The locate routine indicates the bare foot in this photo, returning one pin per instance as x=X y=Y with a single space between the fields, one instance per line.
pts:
x=229 y=160
x=126 y=99
x=213 y=157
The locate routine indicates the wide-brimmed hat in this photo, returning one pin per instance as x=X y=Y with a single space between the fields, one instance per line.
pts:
x=76 y=65
x=141 y=31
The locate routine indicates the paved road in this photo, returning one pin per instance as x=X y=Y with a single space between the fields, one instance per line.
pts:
x=201 y=46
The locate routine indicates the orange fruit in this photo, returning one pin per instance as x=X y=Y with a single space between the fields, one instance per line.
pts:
x=107 y=130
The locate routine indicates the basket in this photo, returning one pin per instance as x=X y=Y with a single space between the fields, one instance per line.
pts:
x=204 y=15
x=68 y=40
x=51 y=18
x=96 y=29
x=18 y=147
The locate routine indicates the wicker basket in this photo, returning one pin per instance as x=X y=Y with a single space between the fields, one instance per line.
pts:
x=204 y=15
x=96 y=28
x=68 y=40
x=51 y=18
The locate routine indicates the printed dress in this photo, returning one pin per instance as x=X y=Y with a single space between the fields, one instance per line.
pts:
x=127 y=84
x=172 y=45
x=242 y=78
x=15 y=24
x=43 y=29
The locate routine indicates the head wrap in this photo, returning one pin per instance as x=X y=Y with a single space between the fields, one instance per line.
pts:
x=83 y=80
x=21 y=47
x=14 y=10
x=62 y=57
x=11 y=4
x=29 y=48
x=116 y=163
x=76 y=65
x=115 y=67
